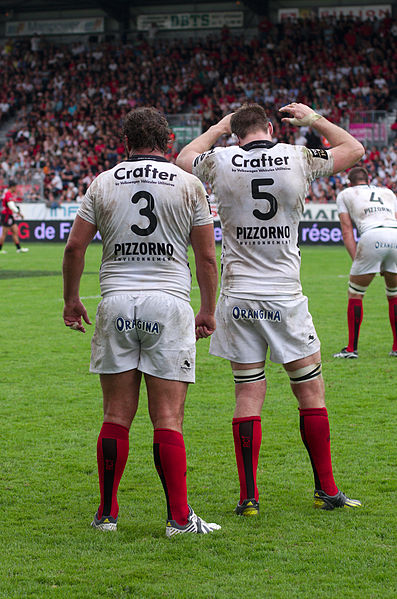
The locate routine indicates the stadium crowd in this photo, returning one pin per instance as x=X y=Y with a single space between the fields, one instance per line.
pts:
x=69 y=100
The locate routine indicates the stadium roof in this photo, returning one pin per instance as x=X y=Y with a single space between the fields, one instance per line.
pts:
x=117 y=9
x=42 y=5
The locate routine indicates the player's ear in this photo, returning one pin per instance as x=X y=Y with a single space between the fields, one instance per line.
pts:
x=270 y=128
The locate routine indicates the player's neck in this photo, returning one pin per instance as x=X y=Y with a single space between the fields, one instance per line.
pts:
x=255 y=136
x=145 y=152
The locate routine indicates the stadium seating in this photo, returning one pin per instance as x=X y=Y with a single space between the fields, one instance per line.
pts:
x=70 y=103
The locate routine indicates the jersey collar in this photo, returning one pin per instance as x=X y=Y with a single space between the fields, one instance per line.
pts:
x=136 y=157
x=258 y=143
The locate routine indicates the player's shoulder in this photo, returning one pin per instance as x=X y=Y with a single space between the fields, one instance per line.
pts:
x=187 y=178
x=346 y=191
x=344 y=194
x=213 y=154
x=388 y=191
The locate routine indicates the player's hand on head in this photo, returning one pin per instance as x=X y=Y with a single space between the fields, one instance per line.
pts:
x=302 y=115
x=225 y=123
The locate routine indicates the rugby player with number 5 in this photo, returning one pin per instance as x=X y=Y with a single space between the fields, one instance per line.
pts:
x=260 y=188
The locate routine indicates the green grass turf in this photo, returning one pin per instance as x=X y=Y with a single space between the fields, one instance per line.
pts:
x=51 y=414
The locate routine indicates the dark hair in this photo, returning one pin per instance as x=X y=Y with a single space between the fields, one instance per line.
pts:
x=146 y=128
x=12 y=183
x=357 y=175
x=249 y=118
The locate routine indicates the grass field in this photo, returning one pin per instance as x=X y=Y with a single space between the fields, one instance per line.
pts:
x=51 y=414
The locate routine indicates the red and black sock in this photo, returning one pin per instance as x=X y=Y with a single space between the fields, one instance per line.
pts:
x=112 y=454
x=314 y=427
x=170 y=460
x=393 y=319
x=354 y=320
x=247 y=434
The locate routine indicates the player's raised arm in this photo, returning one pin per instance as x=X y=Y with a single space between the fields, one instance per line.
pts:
x=345 y=149
x=203 y=143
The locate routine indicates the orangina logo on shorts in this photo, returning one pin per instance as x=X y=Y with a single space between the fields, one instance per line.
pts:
x=125 y=325
x=248 y=314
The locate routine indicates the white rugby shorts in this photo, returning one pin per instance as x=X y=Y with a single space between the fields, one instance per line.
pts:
x=376 y=252
x=153 y=332
x=245 y=329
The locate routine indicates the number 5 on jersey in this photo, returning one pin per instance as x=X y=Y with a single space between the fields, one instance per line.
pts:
x=257 y=194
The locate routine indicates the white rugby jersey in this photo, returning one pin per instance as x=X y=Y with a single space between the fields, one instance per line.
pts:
x=260 y=191
x=369 y=206
x=145 y=208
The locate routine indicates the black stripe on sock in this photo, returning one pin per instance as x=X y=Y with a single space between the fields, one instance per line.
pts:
x=357 y=322
x=109 y=452
x=246 y=433
x=317 y=484
x=157 y=463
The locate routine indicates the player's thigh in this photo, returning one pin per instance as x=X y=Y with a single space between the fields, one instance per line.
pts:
x=363 y=280
x=292 y=336
x=238 y=336
x=389 y=262
x=390 y=279
x=115 y=346
x=166 y=332
x=7 y=221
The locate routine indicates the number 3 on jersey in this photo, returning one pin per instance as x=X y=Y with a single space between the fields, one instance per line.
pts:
x=257 y=194
x=146 y=210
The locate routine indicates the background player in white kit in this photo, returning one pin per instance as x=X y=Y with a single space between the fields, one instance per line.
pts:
x=374 y=211
x=146 y=210
x=260 y=187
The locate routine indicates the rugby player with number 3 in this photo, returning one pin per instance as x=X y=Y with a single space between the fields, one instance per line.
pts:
x=147 y=211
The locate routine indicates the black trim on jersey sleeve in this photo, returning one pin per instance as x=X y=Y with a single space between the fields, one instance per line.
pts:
x=318 y=153
x=259 y=143
x=136 y=157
